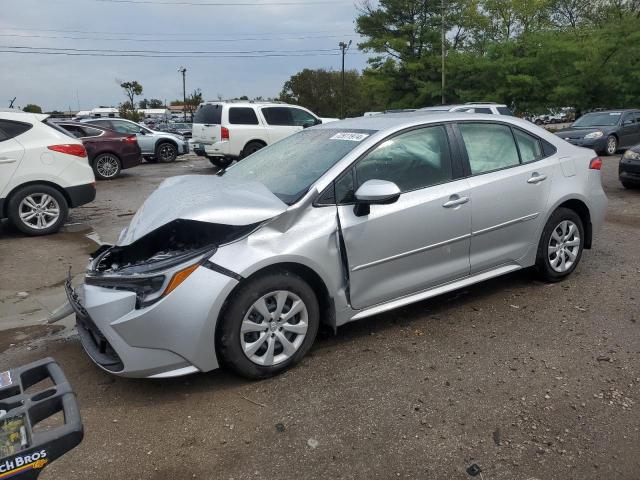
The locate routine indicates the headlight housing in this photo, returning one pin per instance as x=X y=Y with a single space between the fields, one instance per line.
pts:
x=631 y=155
x=592 y=135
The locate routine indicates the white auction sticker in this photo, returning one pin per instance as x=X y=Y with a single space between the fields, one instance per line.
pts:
x=353 y=137
x=5 y=379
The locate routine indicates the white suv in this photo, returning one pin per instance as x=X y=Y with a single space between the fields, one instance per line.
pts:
x=43 y=172
x=227 y=131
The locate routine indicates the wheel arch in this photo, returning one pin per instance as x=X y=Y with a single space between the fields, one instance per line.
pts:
x=325 y=300
x=160 y=141
x=103 y=152
x=255 y=140
x=582 y=210
x=5 y=204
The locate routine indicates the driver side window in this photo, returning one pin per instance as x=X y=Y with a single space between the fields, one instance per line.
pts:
x=412 y=160
x=125 y=127
x=302 y=118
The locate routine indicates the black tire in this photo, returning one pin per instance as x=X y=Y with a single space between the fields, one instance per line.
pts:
x=229 y=336
x=166 y=152
x=106 y=166
x=220 y=162
x=16 y=207
x=543 y=262
x=612 y=145
x=251 y=147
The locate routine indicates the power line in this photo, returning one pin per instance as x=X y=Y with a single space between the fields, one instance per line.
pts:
x=142 y=55
x=11 y=35
x=228 y=4
x=181 y=52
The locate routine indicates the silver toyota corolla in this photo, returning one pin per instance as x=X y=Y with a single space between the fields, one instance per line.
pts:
x=336 y=223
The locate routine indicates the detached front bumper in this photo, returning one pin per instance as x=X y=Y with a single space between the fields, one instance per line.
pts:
x=174 y=336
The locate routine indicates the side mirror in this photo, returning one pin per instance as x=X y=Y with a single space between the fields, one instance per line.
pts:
x=309 y=123
x=375 y=192
x=627 y=122
x=142 y=132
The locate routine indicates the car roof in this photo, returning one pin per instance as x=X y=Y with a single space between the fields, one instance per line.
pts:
x=248 y=103
x=395 y=121
x=615 y=110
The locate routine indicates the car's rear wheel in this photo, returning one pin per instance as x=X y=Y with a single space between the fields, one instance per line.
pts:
x=166 y=152
x=269 y=325
x=561 y=245
x=106 y=166
x=252 y=147
x=38 y=209
x=612 y=145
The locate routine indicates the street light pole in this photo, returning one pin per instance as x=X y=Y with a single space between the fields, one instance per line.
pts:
x=344 y=47
x=442 y=40
x=183 y=70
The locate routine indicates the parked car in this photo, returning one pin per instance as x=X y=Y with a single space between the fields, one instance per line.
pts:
x=109 y=151
x=182 y=129
x=605 y=132
x=629 y=168
x=228 y=131
x=43 y=173
x=479 y=107
x=336 y=223
x=156 y=146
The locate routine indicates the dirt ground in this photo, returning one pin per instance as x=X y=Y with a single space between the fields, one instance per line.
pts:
x=525 y=379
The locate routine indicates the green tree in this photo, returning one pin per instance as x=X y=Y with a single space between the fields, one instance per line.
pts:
x=320 y=91
x=32 y=108
x=131 y=89
x=156 y=103
x=127 y=111
x=144 y=103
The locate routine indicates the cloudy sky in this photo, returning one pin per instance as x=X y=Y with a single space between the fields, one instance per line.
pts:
x=306 y=31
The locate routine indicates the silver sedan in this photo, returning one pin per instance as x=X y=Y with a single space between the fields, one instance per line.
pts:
x=334 y=224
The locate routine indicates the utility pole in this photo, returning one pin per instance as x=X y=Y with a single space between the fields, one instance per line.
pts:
x=442 y=40
x=183 y=70
x=344 y=47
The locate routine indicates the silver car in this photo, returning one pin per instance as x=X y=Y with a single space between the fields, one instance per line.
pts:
x=155 y=145
x=334 y=224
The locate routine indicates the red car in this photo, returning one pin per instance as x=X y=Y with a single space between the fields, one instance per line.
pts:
x=108 y=151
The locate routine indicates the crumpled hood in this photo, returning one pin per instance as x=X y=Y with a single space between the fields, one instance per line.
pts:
x=205 y=199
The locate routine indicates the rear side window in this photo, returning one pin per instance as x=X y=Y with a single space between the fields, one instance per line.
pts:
x=530 y=147
x=91 y=132
x=12 y=129
x=277 y=116
x=505 y=111
x=481 y=110
x=208 y=113
x=489 y=146
x=242 y=116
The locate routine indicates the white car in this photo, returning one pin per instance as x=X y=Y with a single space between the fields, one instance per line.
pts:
x=227 y=131
x=43 y=172
x=472 y=107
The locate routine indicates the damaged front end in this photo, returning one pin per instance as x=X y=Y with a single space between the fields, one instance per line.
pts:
x=157 y=263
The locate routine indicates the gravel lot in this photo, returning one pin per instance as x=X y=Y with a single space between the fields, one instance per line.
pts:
x=528 y=380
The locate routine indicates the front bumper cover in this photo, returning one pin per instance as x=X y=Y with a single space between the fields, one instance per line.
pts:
x=174 y=336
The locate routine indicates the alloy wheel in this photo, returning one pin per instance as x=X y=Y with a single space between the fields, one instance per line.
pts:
x=39 y=210
x=107 y=166
x=564 y=246
x=166 y=153
x=274 y=328
x=612 y=145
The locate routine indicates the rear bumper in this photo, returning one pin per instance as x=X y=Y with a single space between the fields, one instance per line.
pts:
x=81 y=194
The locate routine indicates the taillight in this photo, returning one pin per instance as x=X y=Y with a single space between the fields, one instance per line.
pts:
x=595 y=163
x=130 y=139
x=69 y=149
x=224 y=133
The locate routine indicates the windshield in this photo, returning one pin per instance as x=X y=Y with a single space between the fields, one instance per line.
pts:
x=600 y=119
x=289 y=167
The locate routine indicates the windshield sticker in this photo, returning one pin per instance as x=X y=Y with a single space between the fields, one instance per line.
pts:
x=353 y=137
x=615 y=114
x=5 y=379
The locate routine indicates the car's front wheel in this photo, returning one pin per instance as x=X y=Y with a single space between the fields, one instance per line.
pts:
x=269 y=325
x=561 y=245
x=166 y=152
x=106 y=166
x=612 y=145
x=38 y=209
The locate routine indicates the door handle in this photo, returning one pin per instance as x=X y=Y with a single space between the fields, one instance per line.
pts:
x=455 y=201
x=537 y=178
x=7 y=160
